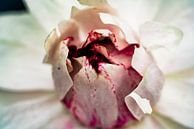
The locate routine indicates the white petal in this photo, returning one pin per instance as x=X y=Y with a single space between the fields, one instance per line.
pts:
x=178 y=97
x=156 y=35
x=143 y=103
x=136 y=12
x=50 y=12
x=141 y=60
x=169 y=10
x=65 y=122
x=151 y=85
x=28 y=110
x=149 y=89
x=92 y=2
x=62 y=79
x=183 y=58
x=160 y=39
x=21 y=48
x=131 y=37
x=154 y=121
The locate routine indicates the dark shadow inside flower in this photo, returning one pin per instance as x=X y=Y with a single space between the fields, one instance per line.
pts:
x=100 y=49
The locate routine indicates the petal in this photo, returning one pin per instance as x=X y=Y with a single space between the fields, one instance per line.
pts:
x=30 y=110
x=49 y=13
x=183 y=57
x=62 y=79
x=129 y=33
x=154 y=121
x=65 y=122
x=21 y=54
x=151 y=85
x=99 y=18
x=169 y=9
x=141 y=60
x=91 y=96
x=153 y=79
x=137 y=105
x=149 y=90
x=160 y=39
x=136 y=12
x=93 y=92
x=123 y=85
x=64 y=30
x=177 y=98
x=92 y=2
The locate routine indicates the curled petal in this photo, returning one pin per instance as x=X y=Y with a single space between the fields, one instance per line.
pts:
x=151 y=85
x=62 y=79
x=149 y=88
x=68 y=30
x=133 y=101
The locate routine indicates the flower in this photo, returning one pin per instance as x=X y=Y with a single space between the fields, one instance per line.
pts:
x=27 y=97
x=94 y=77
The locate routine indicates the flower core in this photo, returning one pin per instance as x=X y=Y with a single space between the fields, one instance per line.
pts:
x=102 y=75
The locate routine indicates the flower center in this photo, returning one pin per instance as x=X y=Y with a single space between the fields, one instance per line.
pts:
x=101 y=49
x=93 y=52
x=97 y=97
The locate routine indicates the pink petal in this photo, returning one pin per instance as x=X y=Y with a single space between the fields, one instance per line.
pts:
x=92 y=93
x=92 y=16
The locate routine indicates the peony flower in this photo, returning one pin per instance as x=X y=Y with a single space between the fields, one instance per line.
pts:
x=114 y=64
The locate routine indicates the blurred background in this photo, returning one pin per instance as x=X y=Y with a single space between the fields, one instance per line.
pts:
x=11 y=5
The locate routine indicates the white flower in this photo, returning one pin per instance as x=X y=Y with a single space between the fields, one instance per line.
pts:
x=27 y=99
